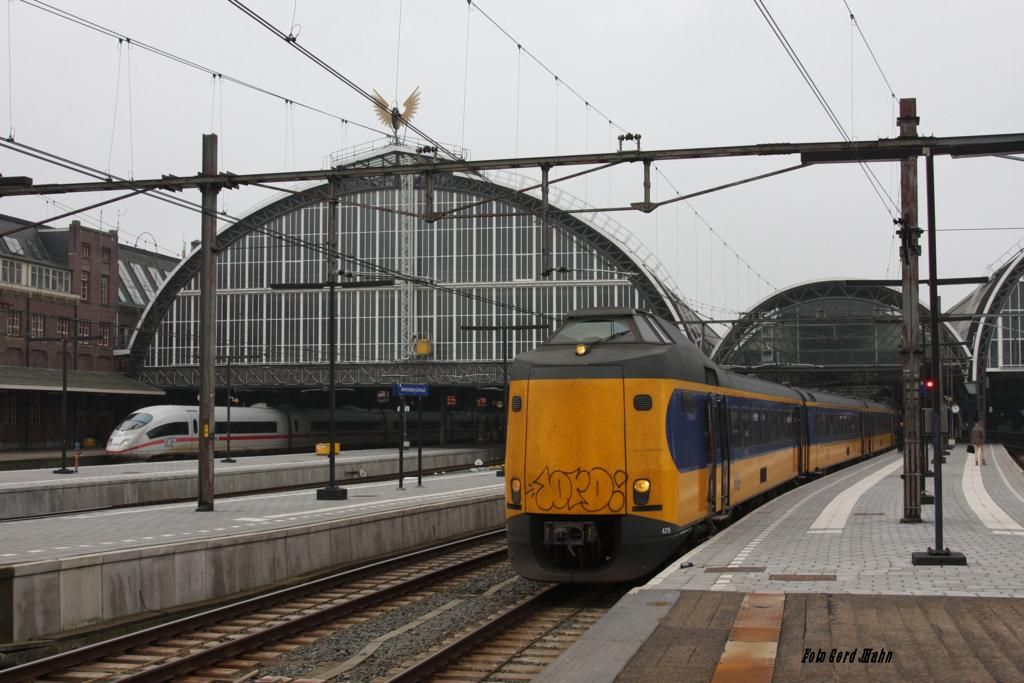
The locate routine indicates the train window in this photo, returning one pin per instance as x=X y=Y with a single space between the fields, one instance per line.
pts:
x=755 y=428
x=710 y=376
x=647 y=333
x=689 y=405
x=734 y=426
x=659 y=330
x=591 y=330
x=745 y=428
x=169 y=429
x=248 y=427
x=134 y=421
x=195 y=426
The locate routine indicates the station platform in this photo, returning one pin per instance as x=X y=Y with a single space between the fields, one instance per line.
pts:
x=818 y=585
x=27 y=493
x=71 y=572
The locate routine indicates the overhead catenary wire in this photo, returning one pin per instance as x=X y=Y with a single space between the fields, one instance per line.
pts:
x=887 y=202
x=85 y=23
x=559 y=83
x=297 y=241
x=10 y=73
x=539 y=62
x=712 y=230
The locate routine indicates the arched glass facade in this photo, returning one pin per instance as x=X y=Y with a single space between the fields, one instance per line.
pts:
x=490 y=254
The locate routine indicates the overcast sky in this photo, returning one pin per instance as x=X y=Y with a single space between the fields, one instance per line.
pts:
x=682 y=74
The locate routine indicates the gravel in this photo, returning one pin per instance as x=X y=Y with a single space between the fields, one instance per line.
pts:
x=474 y=606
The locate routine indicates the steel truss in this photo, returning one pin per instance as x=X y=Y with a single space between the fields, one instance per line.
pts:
x=316 y=376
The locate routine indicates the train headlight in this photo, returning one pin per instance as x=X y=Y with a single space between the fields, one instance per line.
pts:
x=517 y=490
x=641 y=491
x=581 y=349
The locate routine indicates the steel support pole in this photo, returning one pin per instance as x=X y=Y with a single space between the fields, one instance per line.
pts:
x=64 y=413
x=910 y=251
x=207 y=328
x=332 y=490
x=545 y=229
x=504 y=379
x=227 y=443
x=940 y=553
x=401 y=443
x=419 y=442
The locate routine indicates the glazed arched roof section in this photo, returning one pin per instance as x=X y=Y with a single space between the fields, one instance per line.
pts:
x=992 y=300
x=663 y=303
x=741 y=332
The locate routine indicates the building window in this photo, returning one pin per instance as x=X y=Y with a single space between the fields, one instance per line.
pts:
x=63 y=328
x=10 y=271
x=105 y=254
x=41 y=277
x=35 y=411
x=85 y=285
x=104 y=334
x=104 y=289
x=9 y=409
x=13 y=323
x=38 y=325
x=84 y=330
x=86 y=250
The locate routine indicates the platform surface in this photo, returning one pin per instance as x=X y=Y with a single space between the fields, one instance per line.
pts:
x=835 y=551
x=65 y=536
x=154 y=469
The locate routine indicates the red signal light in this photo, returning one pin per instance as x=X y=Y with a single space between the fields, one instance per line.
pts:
x=929 y=384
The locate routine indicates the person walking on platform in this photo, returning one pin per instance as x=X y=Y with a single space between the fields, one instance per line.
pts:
x=978 y=442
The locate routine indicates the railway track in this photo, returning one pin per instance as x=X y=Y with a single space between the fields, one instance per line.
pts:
x=233 y=643
x=517 y=643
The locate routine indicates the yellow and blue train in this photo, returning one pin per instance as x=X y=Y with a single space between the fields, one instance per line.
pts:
x=623 y=438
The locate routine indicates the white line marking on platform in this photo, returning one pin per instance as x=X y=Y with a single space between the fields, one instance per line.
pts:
x=715 y=540
x=987 y=510
x=999 y=468
x=268 y=496
x=837 y=513
x=293 y=516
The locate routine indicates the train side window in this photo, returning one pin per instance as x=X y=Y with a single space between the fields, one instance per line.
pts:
x=169 y=429
x=689 y=406
x=710 y=376
x=195 y=427
x=745 y=431
x=647 y=332
x=734 y=426
x=659 y=330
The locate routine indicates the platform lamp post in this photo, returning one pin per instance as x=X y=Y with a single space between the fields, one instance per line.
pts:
x=940 y=554
x=504 y=329
x=332 y=491
x=64 y=469
x=228 y=358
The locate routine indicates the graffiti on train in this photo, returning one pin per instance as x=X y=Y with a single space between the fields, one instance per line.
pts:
x=593 y=489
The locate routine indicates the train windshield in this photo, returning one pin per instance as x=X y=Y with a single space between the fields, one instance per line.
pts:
x=590 y=330
x=134 y=421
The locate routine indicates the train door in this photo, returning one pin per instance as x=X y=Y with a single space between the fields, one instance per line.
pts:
x=803 y=451
x=717 y=441
x=865 y=439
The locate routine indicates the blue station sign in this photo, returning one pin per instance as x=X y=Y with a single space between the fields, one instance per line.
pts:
x=410 y=390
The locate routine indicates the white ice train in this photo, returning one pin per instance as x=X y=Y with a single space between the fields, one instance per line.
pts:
x=173 y=430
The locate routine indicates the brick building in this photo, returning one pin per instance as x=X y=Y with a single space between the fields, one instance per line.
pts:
x=64 y=283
